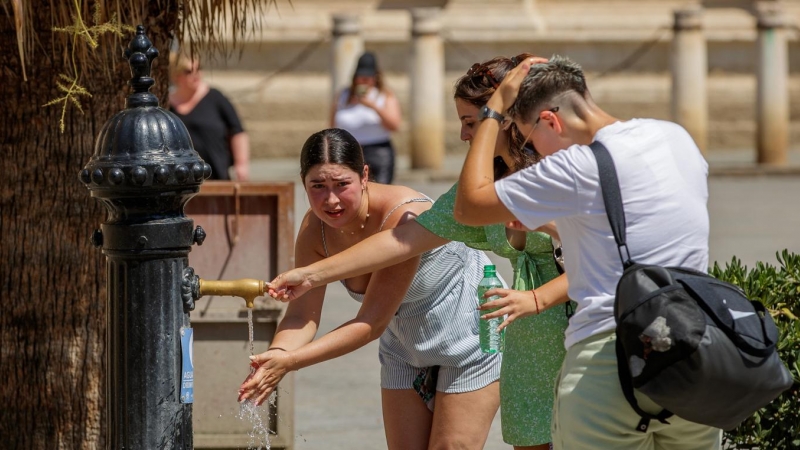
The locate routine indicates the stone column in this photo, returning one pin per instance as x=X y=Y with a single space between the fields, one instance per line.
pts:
x=689 y=74
x=427 y=89
x=772 y=101
x=531 y=10
x=347 y=46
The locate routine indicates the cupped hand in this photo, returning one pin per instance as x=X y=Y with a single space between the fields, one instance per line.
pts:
x=506 y=93
x=512 y=304
x=289 y=285
x=270 y=368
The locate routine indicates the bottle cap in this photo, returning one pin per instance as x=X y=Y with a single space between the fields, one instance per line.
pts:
x=489 y=268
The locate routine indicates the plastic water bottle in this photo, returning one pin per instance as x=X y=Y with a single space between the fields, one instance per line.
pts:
x=491 y=340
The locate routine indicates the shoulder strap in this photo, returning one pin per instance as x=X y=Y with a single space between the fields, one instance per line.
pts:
x=413 y=200
x=609 y=185
x=612 y=198
x=627 y=389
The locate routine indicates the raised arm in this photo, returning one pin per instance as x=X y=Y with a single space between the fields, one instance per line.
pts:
x=477 y=202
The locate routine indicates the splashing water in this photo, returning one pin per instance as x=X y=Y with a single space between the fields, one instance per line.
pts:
x=249 y=412
x=259 y=436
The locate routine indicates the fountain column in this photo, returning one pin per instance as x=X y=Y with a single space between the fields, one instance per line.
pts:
x=144 y=170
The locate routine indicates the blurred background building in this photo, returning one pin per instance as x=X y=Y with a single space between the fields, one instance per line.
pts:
x=282 y=81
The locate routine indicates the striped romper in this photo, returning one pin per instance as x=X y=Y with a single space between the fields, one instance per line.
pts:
x=437 y=323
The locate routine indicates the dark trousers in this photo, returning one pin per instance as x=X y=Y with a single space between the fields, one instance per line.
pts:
x=380 y=159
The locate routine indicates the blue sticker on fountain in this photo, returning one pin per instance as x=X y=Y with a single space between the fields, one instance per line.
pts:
x=187 y=368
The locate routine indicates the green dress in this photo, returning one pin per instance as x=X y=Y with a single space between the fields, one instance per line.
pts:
x=534 y=345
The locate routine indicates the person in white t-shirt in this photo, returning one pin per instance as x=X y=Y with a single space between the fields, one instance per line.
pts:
x=663 y=182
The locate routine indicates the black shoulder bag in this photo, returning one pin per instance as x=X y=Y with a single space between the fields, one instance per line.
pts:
x=693 y=344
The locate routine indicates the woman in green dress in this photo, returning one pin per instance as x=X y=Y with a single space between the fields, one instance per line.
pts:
x=534 y=342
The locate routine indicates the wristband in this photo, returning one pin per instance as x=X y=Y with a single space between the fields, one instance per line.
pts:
x=485 y=112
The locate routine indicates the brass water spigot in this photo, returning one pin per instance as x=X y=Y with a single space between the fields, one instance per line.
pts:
x=194 y=287
x=246 y=288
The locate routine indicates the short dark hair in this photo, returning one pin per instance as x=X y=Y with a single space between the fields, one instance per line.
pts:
x=544 y=82
x=334 y=146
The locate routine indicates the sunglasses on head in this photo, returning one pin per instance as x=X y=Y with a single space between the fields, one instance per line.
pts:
x=478 y=70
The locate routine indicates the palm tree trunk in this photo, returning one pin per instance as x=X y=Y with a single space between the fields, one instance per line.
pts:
x=52 y=281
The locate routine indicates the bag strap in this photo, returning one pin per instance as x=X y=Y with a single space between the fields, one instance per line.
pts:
x=627 y=389
x=612 y=198
x=609 y=186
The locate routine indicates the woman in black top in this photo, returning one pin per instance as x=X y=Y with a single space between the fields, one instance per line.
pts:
x=212 y=122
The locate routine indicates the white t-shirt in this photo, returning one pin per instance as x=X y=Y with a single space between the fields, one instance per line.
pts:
x=361 y=121
x=663 y=182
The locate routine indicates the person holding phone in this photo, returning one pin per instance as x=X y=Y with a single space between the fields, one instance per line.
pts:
x=371 y=113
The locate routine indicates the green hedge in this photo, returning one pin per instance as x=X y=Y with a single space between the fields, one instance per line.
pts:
x=777 y=426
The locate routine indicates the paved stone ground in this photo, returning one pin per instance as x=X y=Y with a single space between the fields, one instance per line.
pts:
x=337 y=403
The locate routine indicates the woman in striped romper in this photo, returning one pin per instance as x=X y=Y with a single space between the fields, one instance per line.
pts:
x=534 y=340
x=422 y=309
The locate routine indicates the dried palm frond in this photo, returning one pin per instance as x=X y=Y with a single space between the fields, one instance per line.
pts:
x=216 y=27
x=213 y=27
x=21 y=19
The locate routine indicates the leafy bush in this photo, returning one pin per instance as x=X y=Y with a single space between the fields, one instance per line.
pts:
x=776 y=426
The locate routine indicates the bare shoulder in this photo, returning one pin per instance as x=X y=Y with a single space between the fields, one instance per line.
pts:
x=310 y=234
x=397 y=204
